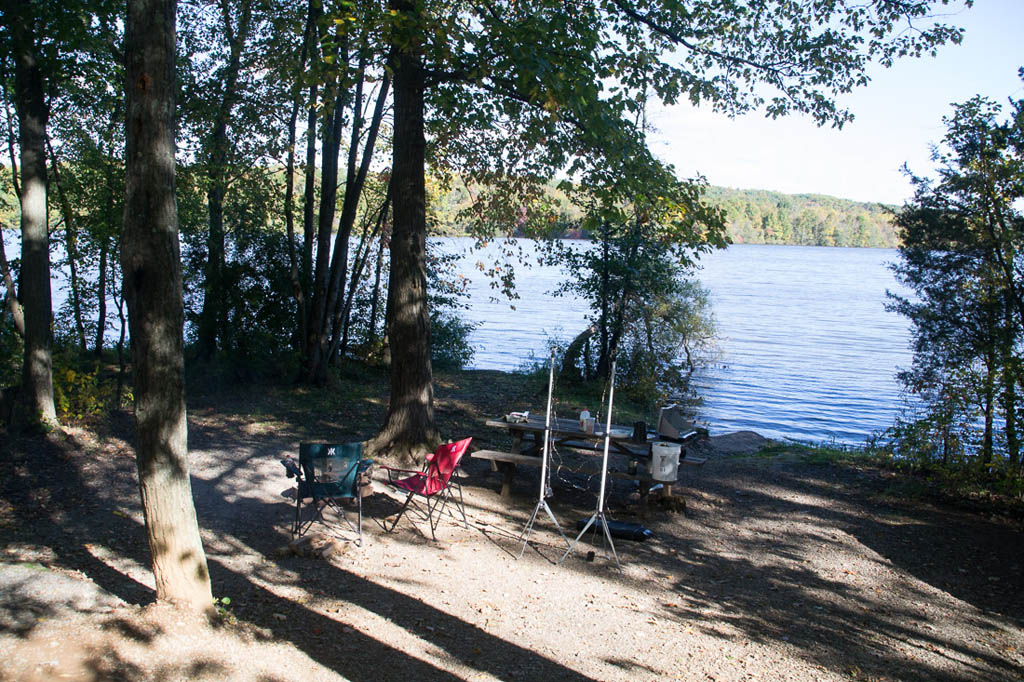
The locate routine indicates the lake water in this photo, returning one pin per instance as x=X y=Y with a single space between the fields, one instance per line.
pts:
x=808 y=350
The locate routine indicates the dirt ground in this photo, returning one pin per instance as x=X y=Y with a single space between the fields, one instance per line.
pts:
x=778 y=570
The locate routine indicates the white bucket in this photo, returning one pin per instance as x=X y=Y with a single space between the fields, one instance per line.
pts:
x=665 y=461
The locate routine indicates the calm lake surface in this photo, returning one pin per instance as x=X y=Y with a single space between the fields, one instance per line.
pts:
x=808 y=350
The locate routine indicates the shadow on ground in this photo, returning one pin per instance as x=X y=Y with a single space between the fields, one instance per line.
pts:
x=746 y=563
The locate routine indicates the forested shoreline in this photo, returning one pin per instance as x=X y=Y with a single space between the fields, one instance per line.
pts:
x=752 y=216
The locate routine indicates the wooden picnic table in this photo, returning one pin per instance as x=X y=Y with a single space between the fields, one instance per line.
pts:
x=528 y=436
x=528 y=439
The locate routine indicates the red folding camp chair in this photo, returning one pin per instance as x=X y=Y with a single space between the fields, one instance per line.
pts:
x=435 y=483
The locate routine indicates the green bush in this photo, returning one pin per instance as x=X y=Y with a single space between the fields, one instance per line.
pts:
x=449 y=340
x=80 y=392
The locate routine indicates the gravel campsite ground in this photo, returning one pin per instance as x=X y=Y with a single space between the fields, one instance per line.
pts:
x=780 y=568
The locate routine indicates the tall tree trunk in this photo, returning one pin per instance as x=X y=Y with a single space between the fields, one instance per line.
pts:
x=151 y=263
x=10 y=291
x=289 y=191
x=10 y=143
x=333 y=124
x=289 y=219
x=309 y=191
x=122 y=361
x=410 y=420
x=355 y=181
x=989 y=400
x=34 y=287
x=1010 y=369
x=325 y=300
x=309 y=211
x=101 y=293
x=105 y=262
x=11 y=294
x=375 y=298
x=340 y=345
x=213 y=328
x=71 y=246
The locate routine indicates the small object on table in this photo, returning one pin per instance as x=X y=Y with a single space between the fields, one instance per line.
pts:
x=517 y=417
x=640 y=432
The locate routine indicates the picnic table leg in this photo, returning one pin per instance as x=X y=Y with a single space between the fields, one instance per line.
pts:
x=645 y=496
x=509 y=470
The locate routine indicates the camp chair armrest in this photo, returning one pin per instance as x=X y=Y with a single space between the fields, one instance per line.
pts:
x=291 y=468
x=393 y=471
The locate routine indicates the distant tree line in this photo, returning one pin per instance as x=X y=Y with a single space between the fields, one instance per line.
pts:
x=751 y=217
x=762 y=217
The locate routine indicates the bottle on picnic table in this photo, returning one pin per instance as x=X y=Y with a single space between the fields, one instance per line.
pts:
x=584 y=416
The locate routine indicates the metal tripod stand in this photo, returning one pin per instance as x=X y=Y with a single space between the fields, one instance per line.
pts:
x=542 y=502
x=599 y=516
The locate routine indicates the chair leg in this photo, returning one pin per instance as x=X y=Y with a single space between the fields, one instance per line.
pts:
x=359 y=527
x=430 y=516
x=298 y=508
x=449 y=496
x=462 y=506
x=402 y=511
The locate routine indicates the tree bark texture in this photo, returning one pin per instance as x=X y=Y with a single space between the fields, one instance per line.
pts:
x=34 y=285
x=150 y=260
x=410 y=421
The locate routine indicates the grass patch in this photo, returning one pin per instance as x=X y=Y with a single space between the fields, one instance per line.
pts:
x=828 y=453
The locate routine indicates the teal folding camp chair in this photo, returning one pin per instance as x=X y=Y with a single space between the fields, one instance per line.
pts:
x=327 y=473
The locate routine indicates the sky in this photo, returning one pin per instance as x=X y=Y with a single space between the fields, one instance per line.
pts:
x=898 y=115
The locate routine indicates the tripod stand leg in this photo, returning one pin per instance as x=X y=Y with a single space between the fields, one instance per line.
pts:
x=589 y=523
x=555 y=521
x=525 y=535
x=611 y=543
